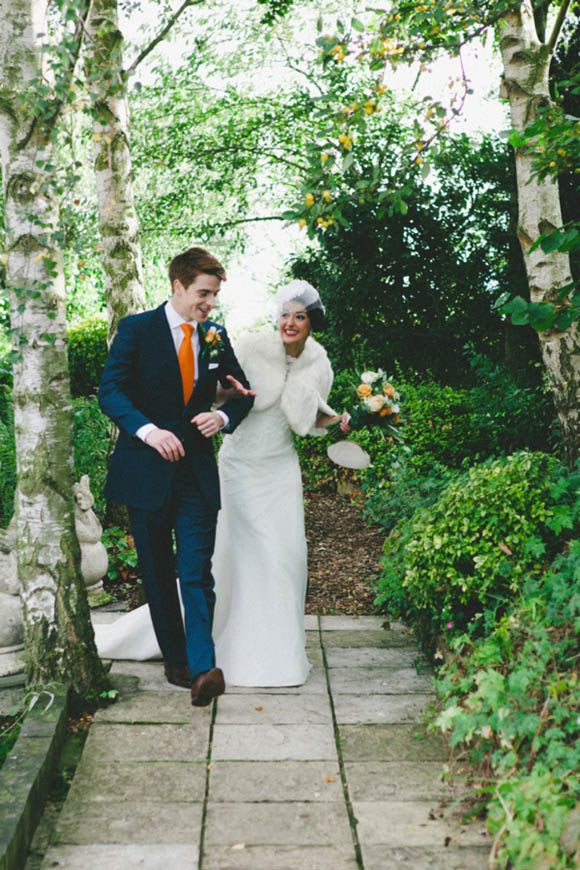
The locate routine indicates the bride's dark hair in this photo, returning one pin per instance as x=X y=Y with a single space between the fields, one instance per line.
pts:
x=317 y=319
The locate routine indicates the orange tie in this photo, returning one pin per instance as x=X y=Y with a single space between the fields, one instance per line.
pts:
x=186 y=362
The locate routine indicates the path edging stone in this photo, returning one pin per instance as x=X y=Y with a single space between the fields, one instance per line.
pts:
x=27 y=773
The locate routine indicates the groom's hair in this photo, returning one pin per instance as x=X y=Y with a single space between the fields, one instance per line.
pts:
x=193 y=262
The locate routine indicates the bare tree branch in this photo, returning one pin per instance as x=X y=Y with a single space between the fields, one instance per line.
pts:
x=162 y=34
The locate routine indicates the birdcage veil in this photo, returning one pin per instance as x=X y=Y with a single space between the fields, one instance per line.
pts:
x=296 y=291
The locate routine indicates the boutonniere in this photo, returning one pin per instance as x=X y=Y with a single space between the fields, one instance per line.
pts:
x=213 y=346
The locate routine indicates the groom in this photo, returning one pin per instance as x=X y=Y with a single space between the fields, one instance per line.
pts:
x=158 y=386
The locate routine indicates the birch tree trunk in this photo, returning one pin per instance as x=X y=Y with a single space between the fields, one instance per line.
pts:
x=526 y=62
x=59 y=640
x=118 y=222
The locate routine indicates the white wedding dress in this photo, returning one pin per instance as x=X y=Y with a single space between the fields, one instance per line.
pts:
x=259 y=564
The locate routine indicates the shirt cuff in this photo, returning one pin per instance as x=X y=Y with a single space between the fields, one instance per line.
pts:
x=143 y=431
x=224 y=417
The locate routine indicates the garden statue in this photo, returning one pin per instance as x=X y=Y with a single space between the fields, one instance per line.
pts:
x=94 y=559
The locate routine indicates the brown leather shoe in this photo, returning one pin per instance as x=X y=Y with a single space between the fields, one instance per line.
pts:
x=207 y=686
x=178 y=676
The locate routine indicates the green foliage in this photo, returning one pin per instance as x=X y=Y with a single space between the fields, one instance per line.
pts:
x=87 y=354
x=497 y=415
x=404 y=488
x=422 y=285
x=122 y=554
x=92 y=441
x=510 y=702
x=473 y=548
x=7 y=456
x=9 y=731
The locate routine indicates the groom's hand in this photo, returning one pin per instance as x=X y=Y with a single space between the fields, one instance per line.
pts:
x=166 y=444
x=208 y=422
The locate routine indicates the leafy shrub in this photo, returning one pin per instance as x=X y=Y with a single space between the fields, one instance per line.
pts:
x=87 y=354
x=437 y=425
x=491 y=528
x=91 y=447
x=509 y=414
x=397 y=495
x=510 y=704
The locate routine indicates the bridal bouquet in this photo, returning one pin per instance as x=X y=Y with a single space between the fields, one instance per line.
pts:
x=378 y=403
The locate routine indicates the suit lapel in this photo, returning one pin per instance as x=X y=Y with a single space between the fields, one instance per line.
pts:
x=201 y=362
x=165 y=350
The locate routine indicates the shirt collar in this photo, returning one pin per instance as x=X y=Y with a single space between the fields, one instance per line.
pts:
x=174 y=319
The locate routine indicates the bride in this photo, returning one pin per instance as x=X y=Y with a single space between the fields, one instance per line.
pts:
x=259 y=561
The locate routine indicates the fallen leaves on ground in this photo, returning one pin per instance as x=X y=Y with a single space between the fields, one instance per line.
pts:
x=343 y=556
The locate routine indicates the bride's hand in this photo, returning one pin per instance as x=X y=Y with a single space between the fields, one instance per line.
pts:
x=324 y=420
x=344 y=425
x=240 y=391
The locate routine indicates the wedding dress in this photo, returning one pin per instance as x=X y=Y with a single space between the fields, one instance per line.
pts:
x=259 y=562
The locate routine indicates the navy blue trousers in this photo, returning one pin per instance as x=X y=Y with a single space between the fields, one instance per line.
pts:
x=187 y=514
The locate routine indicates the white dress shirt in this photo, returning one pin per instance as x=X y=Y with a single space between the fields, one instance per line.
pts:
x=175 y=320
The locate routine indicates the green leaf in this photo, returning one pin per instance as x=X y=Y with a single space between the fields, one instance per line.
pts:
x=516 y=305
x=357 y=25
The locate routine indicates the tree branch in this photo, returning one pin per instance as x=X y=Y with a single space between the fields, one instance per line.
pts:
x=224 y=225
x=558 y=24
x=68 y=72
x=162 y=34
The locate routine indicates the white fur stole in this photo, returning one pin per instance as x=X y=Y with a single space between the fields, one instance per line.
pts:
x=302 y=387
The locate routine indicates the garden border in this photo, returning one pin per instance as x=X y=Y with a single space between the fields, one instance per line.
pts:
x=27 y=773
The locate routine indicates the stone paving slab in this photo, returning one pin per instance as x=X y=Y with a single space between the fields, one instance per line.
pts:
x=355 y=709
x=314 y=685
x=310 y=622
x=397 y=742
x=280 y=858
x=351 y=623
x=395 y=824
x=284 y=824
x=411 y=858
x=314 y=656
x=174 y=707
x=276 y=781
x=129 y=823
x=273 y=743
x=149 y=781
x=313 y=639
x=364 y=657
x=261 y=709
x=379 y=681
x=150 y=674
x=107 y=743
x=378 y=638
x=150 y=856
x=400 y=780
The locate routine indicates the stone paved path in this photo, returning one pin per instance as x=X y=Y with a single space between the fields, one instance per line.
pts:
x=334 y=775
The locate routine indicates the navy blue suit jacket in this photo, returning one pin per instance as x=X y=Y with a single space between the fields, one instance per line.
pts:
x=141 y=384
